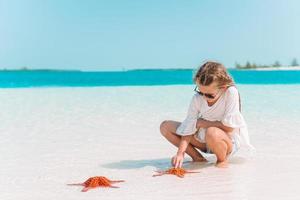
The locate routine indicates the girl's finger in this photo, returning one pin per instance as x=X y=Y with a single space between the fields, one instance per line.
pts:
x=173 y=161
x=176 y=164
x=180 y=164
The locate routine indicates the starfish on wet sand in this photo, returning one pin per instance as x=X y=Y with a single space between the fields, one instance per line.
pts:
x=97 y=181
x=180 y=172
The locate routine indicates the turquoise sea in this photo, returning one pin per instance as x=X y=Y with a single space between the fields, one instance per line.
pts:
x=52 y=78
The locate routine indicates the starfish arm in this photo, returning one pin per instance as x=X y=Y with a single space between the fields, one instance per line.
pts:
x=180 y=175
x=159 y=174
x=190 y=172
x=117 y=181
x=85 y=189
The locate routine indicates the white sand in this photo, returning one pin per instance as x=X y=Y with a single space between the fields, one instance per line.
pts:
x=53 y=136
x=277 y=68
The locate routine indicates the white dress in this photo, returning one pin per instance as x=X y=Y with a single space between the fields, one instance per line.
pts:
x=225 y=110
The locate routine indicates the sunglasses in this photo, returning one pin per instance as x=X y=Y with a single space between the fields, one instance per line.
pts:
x=210 y=96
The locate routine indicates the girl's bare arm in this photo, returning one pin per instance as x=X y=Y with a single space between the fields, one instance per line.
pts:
x=177 y=160
x=184 y=142
x=202 y=123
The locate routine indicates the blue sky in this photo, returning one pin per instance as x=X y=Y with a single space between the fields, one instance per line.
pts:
x=112 y=35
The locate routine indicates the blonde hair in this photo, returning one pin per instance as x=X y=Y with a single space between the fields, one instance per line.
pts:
x=212 y=71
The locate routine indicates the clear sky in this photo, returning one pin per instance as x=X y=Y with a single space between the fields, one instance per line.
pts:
x=110 y=35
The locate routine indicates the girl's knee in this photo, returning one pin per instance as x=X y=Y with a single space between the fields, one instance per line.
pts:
x=169 y=126
x=211 y=134
x=164 y=127
x=215 y=140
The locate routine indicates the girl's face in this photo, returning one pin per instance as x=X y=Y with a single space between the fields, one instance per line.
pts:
x=210 y=92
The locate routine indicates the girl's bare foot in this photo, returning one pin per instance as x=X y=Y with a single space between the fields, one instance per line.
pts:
x=223 y=164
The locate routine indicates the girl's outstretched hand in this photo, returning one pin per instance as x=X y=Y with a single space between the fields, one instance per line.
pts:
x=202 y=123
x=177 y=160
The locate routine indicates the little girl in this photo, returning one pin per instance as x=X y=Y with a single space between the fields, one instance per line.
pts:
x=214 y=123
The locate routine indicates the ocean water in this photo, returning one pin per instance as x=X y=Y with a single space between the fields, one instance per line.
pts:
x=48 y=78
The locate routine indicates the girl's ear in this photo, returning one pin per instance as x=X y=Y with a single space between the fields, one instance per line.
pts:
x=223 y=87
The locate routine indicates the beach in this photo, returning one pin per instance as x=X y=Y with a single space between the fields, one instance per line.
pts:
x=284 y=68
x=52 y=136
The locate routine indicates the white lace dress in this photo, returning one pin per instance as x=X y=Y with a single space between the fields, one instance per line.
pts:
x=226 y=110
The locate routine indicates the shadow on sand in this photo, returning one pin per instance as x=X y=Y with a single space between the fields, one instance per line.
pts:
x=162 y=163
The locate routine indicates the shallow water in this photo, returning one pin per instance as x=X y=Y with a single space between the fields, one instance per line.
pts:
x=52 y=78
x=53 y=136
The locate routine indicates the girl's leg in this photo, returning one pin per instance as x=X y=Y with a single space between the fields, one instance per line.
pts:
x=168 y=130
x=220 y=144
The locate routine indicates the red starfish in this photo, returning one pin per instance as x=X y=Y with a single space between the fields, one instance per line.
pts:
x=180 y=172
x=97 y=181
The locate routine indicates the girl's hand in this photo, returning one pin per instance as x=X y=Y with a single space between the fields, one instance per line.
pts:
x=202 y=123
x=177 y=160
